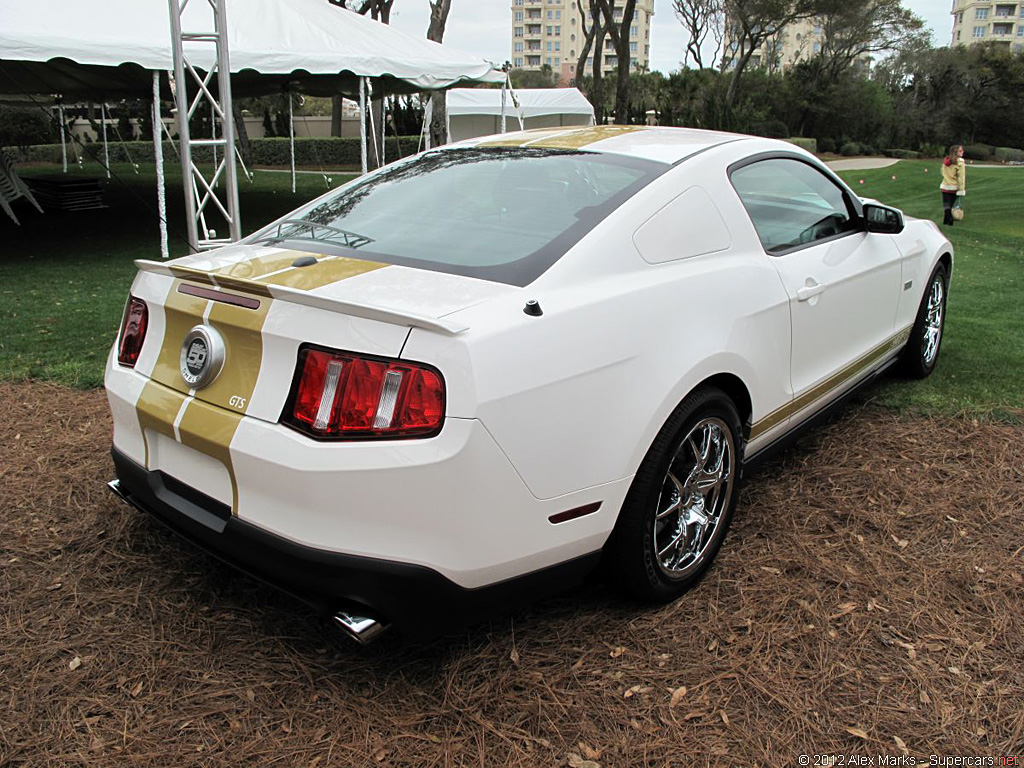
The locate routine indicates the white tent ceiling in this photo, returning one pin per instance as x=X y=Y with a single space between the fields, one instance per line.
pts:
x=81 y=47
x=533 y=102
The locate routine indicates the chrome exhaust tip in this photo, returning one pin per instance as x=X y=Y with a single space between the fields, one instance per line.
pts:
x=362 y=629
x=115 y=487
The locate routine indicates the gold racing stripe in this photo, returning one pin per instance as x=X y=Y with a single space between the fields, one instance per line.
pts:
x=242 y=331
x=209 y=429
x=223 y=281
x=157 y=409
x=586 y=136
x=254 y=275
x=208 y=421
x=564 y=138
x=181 y=313
x=330 y=269
x=829 y=385
x=260 y=266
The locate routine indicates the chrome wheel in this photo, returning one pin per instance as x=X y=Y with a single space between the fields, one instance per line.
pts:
x=933 y=321
x=695 y=493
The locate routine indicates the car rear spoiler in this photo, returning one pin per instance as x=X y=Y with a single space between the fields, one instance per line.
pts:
x=295 y=296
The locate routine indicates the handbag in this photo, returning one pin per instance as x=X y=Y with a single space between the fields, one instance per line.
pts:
x=958 y=211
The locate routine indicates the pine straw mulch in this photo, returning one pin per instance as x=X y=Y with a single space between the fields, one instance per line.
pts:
x=868 y=600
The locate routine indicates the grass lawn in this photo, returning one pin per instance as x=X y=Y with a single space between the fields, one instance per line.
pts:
x=64 y=277
x=982 y=360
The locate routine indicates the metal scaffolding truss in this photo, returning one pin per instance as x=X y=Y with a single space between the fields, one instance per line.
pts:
x=201 y=198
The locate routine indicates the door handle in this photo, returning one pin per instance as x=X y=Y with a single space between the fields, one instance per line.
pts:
x=809 y=291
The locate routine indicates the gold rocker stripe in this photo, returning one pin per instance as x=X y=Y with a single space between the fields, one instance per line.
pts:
x=207 y=420
x=829 y=385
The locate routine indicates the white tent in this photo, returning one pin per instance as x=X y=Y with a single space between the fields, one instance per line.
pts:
x=477 y=111
x=56 y=46
x=121 y=47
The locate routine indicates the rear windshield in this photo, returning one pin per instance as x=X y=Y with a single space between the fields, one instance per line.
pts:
x=501 y=214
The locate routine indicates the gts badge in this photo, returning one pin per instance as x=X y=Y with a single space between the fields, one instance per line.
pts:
x=237 y=402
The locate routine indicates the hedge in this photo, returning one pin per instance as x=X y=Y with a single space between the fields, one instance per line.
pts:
x=1009 y=155
x=979 y=151
x=902 y=154
x=850 y=148
x=811 y=145
x=309 y=152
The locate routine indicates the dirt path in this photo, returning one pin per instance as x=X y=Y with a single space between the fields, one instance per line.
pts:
x=868 y=597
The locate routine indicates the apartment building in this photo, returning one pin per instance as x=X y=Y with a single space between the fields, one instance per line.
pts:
x=987 y=21
x=549 y=32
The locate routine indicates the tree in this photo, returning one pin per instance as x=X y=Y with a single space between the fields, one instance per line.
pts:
x=751 y=24
x=435 y=31
x=593 y=39
x=379 y=10
x=534 y=78
x=853 y=29
x=619 y=34
x=700 y=18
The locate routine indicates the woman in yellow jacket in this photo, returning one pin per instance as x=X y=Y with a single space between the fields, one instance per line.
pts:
x=954 y=181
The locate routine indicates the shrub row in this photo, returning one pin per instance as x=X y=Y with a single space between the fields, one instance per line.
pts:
x=811 y=145
x=902 y=154
x=986 y=152
x=979 y=151
x=1009 y=155
x=311 y=152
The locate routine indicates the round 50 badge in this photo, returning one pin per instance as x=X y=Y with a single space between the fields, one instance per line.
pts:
x=202 y=356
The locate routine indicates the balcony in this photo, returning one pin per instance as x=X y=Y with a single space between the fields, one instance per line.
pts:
x=1002 y=30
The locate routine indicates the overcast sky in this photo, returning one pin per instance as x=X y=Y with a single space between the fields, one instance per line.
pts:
x=484 y=27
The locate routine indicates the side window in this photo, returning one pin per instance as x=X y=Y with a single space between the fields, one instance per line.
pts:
x=791 y=203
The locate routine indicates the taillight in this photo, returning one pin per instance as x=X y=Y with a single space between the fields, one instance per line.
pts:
x=133 y=331
x=343 y=396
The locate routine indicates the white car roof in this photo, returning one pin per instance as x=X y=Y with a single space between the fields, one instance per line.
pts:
x=658 y=143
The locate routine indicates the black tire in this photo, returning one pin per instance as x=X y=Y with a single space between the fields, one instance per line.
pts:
x=916 y=360
x=631 y=557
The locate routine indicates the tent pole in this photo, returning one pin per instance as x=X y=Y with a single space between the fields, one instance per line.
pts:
x=428 y=115
x=504 y=99
x=383 y=123
x=63 y=138
x=362 y=121
x=447 y=120
x=373 y=132
x=103 y=122
x=158 y=153
x=291 y=137
x=167 y=133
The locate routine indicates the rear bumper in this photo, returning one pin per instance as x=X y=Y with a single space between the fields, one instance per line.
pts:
x=417 y=600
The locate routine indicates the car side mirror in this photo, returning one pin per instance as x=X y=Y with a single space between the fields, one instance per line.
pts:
x=886 y=221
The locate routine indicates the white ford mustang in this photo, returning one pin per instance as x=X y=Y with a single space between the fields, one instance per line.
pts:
x=474 y=373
